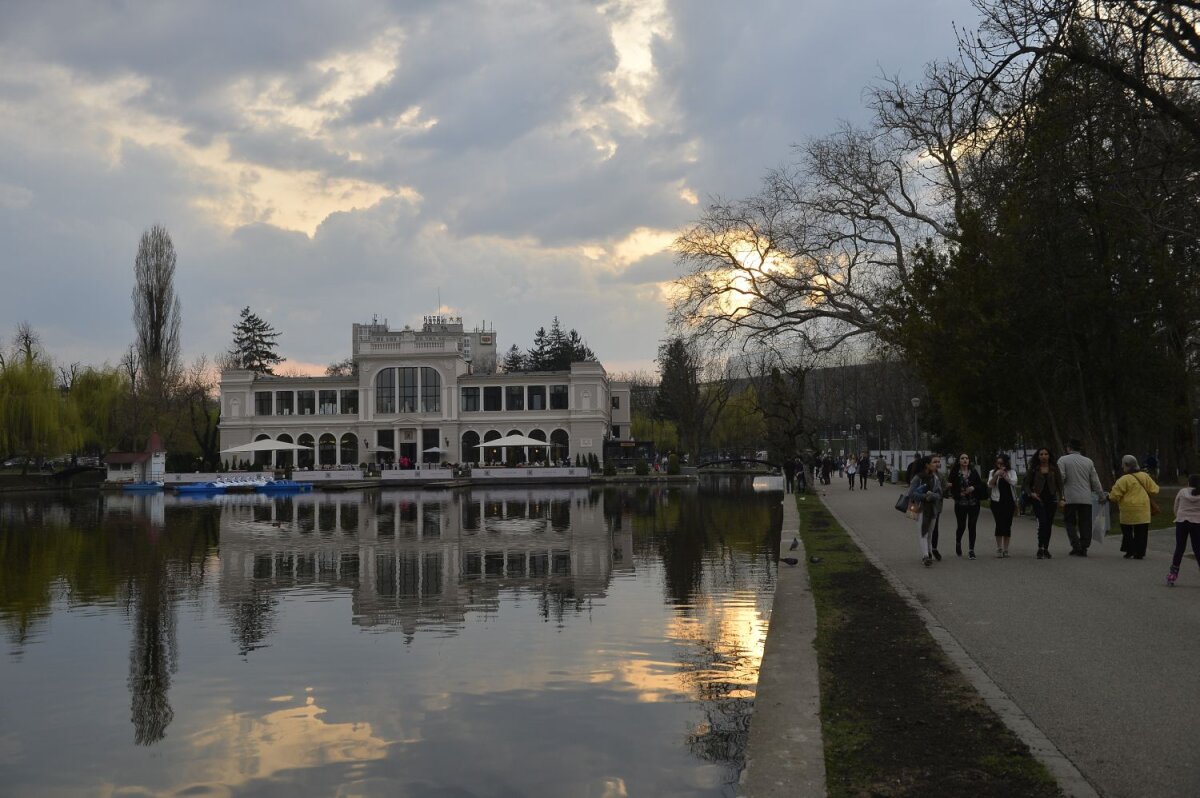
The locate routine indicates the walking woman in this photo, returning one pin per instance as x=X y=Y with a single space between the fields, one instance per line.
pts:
x=1044 y=485
x=851 y=470
x=967 y=488
x=926 y=489
x=1002 y=484
x=1132 y=494
x=1187 y=525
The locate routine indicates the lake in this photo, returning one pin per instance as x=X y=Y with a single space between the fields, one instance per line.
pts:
x=503 y=642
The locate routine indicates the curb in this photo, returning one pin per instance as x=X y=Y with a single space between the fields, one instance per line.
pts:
x=785 y=755
x=1070 y=780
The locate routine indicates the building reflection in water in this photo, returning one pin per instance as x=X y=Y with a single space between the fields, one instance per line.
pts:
x=413 y=559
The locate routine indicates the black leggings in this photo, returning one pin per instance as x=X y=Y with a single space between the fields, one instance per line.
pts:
x=967 y=517
x=1134 y=538
x=1183 y=531
x=1045 y=509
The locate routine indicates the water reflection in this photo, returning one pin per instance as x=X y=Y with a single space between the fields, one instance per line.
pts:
x=647 y=597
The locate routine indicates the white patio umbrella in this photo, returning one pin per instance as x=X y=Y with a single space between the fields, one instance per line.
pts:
x=514 y=441
x=267 y=445
x=433 y=450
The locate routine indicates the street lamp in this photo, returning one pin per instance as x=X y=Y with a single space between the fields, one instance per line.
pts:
x=879 y=432
x=916 y=400
x=857 y=437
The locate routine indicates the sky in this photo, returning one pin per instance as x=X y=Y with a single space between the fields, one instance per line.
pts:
x=507 y=161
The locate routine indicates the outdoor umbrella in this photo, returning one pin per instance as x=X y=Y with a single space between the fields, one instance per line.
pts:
x=267 y=445
x=514 y=441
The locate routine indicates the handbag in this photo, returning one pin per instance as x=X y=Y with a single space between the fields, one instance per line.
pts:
x=1154 y=508
x=902 y=502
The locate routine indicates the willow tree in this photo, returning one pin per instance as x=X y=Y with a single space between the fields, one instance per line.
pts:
x=35 y=418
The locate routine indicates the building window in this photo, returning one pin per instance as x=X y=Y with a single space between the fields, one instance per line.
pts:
x=491 y=398
x=385 y=440
x=350 y=402
x=306 y=402
x=385 y=391
x=616 y=431
x=327 y=402
x=536 y=397
x=558 y=397
x=408 y=389
x=470 y=448
x=470 y=399
x=616 y=403
x=285 y=403
x=262 y=403
x=431 y=390
x=514 y=397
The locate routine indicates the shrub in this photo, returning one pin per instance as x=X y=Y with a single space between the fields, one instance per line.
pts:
x=673 y=464
x=610 y=470
x=641 y=467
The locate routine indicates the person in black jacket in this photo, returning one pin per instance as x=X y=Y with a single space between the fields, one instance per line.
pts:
x=967 y=490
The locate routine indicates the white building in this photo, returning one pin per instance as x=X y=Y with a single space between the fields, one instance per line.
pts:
x=419 y=390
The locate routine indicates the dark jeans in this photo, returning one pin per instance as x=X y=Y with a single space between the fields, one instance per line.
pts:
x=1134 y=538
x=1045 y=510
x=1078 y=519
x=1183 y=531
x=862 y=479
x=880 y=475
x=1003 y=514
x=967 y=517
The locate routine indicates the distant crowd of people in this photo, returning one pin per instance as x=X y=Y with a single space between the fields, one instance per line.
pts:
x=1069 y=483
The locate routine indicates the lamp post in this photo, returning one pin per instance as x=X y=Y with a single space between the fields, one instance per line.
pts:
x=916 y=400
x=857 y=437
x=879 y=432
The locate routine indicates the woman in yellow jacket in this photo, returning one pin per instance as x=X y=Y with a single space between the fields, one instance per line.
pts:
x=1132 y=494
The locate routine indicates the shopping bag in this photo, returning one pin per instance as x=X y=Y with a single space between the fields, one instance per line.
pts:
x=914 y=511
x=1101 y=520
x=902 y=502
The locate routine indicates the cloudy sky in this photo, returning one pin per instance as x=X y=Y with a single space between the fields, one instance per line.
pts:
x=327 y=162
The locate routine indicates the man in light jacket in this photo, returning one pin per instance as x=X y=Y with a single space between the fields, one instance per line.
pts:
x=1080 y=481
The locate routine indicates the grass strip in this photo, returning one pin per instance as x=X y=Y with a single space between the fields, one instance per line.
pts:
x=898 y=718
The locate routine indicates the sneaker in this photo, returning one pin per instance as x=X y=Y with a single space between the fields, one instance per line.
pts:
x=937 y=556
x=1171 y=577
x=999 y=552
x=1073 y=553
x=971 y=554
x=1046 y=554
x=1083 y=552
x=928 y=561
x=1006 y=553
x=1041 y=555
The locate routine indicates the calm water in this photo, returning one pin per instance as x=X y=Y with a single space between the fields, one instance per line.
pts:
x=547 y=642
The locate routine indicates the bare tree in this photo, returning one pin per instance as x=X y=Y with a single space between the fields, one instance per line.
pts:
x=27 y=344
x=156 y=311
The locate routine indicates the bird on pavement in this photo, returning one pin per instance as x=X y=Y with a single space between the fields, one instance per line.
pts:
x=789 y=560
x=795 y=544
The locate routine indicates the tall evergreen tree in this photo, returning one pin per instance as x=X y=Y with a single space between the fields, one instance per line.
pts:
x=254 y=344
x=514 y=360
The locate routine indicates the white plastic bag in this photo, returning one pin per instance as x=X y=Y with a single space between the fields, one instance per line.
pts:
x=1101 y=519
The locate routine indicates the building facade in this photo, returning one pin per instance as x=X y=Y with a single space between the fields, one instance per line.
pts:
x=426 y=395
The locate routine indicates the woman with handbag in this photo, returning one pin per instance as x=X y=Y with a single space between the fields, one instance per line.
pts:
x=967 y=488
x=925 y=490
x=1132 y=494
x=1044 y=485
x=1002 y=483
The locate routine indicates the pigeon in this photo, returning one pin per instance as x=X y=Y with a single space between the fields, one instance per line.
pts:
x=789 y=560
x=814 y=559
x=795 y=544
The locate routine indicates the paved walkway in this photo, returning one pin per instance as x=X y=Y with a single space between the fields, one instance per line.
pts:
x=1097 y=652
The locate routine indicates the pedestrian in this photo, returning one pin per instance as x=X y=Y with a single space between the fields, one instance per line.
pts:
x=826 y=470
x=1132 y=494
x=926 y=489
x=1080 y=483
x=851 y=470
x=789 y=475
x=801 y=476
x=1187 y=525
x=1044 y=485
x=881 y=468
x=967 y=488
x=864 y=470
x=1002 y=482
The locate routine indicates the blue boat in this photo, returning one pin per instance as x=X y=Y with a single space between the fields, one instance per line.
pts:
x=285 y=486
x=142 y=487
x=200 y=487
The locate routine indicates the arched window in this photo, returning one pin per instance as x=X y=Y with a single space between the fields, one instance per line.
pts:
x=263 y=458
x=470 y=447
x=492 y=454
x=513 y=454
x=538 y=455
x=285 y=457
x=385 y=391
x=431 y=390
x=560 y=441
x=327 y=450
x=304 y=457
x=349 y=449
